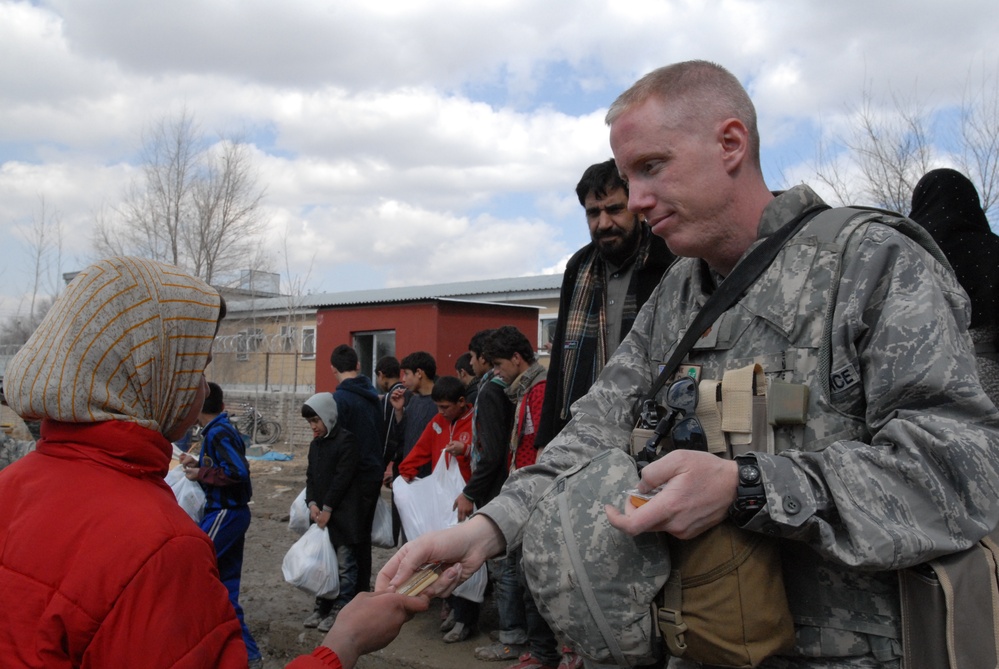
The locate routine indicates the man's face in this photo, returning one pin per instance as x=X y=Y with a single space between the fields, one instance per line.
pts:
x=410 y=379
x=676 y=177
x=479 y=365
x=507 y=369
x=452 y=411
x=614 y=230
x=318 y=427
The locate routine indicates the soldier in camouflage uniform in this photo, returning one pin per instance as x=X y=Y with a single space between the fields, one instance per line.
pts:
x=896 y=463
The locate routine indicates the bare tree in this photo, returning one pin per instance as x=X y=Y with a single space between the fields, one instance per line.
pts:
x=889 y=149
x=196 y=205
x=891 y=146
x=43 y=235
x=980 y=139
x=227 y=222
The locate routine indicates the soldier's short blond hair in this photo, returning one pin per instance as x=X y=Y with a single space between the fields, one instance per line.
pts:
x=694 y=88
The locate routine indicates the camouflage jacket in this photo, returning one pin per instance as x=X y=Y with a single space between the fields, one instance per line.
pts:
x=896 y=463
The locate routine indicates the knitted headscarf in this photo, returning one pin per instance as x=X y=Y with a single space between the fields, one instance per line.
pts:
x=128 y=340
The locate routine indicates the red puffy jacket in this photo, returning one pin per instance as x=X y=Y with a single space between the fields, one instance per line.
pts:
x=99 y=566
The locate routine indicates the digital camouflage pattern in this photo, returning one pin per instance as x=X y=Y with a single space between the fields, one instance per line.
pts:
x=897 y=462
x=594 y=584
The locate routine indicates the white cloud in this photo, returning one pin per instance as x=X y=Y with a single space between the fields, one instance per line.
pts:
x=424 y=138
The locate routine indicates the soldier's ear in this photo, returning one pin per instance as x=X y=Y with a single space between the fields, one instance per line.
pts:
x=733 y=138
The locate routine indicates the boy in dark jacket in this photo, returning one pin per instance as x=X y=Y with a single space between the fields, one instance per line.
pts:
x=359 y=412
x=333 y=495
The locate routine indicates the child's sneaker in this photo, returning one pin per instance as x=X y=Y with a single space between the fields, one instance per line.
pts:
x=313 y=620
x=459 y=632
x=499 y=652
x=528 y=661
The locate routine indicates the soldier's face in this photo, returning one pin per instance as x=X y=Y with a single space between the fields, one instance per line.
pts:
x=614 y=230
x=677 y=178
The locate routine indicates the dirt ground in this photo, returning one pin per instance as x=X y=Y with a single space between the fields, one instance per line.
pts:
x=275 y=610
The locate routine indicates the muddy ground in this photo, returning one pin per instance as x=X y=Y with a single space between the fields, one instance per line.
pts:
x=275 y=610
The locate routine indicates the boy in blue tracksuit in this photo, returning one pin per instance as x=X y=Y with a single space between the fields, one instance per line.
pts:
x=224 y=474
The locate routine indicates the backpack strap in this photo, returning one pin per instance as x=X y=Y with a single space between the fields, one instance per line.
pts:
x=729 y=291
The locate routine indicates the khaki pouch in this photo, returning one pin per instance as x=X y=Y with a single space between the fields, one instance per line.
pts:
x=950 y=610
x=724 y=602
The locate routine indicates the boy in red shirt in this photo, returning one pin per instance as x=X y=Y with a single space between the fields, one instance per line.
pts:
x=449 y=431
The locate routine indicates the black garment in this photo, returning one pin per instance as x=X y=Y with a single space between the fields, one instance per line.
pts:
x=493 y=427
x=420 y=410
x=472 y=390
x=647 y=278
x=391 y=434
x=946 y=203
x=331 y=480
x=359 y=413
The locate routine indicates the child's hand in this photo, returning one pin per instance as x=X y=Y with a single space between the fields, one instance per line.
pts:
x=188 y=460
x=191 y=473
x=455 y=448
x=398 y=398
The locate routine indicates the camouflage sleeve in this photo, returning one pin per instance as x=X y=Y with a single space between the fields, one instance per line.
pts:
x=927 y=483
x=603 y=418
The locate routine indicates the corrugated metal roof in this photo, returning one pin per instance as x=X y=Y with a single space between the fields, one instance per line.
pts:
x=488 y=290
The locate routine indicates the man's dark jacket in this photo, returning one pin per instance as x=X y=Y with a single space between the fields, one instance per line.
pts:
x=493 y=426
x=659 y=260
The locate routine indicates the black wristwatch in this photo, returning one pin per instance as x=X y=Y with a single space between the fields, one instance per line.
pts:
x=750 y=496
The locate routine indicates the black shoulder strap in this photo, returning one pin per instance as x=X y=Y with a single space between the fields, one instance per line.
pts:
x=730 y=291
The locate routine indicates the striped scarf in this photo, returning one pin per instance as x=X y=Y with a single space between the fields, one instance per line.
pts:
x=127 y=341
x=585 y=345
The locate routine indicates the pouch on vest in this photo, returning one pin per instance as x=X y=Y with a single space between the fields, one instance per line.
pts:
x=950 y=610
x=724 y=603
x=595 y=585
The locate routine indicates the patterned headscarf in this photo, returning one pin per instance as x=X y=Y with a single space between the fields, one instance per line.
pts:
x=128 y=340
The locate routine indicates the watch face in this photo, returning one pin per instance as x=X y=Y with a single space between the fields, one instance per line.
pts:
x=749 y=474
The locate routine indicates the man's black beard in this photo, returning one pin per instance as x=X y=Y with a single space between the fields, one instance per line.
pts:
x=622 y=252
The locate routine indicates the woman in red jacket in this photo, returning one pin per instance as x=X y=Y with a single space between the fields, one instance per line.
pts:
x=99 y=566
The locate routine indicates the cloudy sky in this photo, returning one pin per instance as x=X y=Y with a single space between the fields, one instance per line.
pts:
x=406 y=142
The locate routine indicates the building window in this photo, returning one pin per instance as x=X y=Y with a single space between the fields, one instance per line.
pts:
x=371 y=347
x=241 y=354
x=308 y=343
x=546 y=334
x=288 y=338
x=248 y=341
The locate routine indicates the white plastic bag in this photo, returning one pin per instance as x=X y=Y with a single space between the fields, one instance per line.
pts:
x=189 y=494
x=381 y=528
x=298 y=514
x=427 y=504
x=310 y=564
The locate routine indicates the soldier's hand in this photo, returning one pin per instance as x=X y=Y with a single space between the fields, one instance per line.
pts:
x=698 y=489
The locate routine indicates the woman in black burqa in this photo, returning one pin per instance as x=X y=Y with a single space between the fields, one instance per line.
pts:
x=946 y=203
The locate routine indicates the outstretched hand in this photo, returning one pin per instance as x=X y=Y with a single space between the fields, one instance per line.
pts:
x=466 y=545
x=371 y=621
